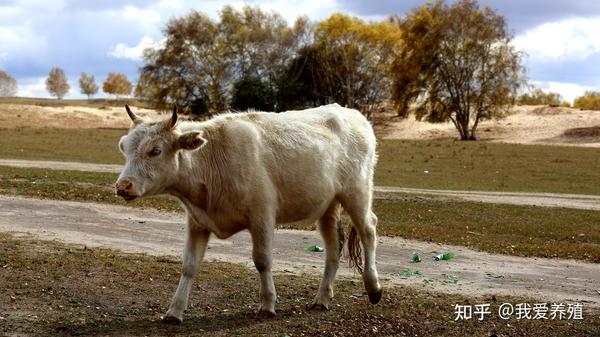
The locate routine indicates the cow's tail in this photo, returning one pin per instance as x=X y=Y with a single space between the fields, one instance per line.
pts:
x=354 y=251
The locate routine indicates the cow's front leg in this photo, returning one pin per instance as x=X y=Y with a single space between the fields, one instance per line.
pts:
x=262 y=243
x=195 y=246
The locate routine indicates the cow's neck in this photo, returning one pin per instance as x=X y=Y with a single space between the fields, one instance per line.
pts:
x=189 y=186
x=193 y=189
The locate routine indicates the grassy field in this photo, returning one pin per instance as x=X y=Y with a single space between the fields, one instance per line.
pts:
x=506 y=229
x=98 y=292
x=456 y=165
x=81 y=145
x=440 y=164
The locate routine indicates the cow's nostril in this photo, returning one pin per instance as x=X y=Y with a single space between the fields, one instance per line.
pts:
x=124 y=185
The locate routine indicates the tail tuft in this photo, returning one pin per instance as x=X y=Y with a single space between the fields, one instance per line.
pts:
x=355 y=251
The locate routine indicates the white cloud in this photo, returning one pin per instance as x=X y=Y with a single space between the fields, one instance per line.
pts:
x=170 y=4
x=569 y=39
x=123 y=51
x=22 y=38
x=568 y=91
x=142 y=17
x=33 y=87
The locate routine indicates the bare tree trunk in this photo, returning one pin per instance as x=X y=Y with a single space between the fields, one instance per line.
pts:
x=472 y=136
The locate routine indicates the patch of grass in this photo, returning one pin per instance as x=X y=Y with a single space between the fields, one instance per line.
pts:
x=51 y=289
x=456 y=165
x=79 y=145
x=73 y=186
x=495 y=228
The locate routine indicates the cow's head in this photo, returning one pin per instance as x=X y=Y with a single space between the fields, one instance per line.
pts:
x=151 y=151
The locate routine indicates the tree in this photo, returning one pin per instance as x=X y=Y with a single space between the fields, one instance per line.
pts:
x=252 y=93
x=8 y=85
x=457 y=64
x=306 y=81
x=589 y=101
x=537 y=96
x=193 y=65
x=56 y=83
x=117 y=84
x=88 y=85
x=356 y=59
x=261 y=43
x=202 y=59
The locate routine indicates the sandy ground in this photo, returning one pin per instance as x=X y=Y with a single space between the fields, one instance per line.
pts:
x=577 y=201
x=21 y=115
x=525 y=125
x=148 y=231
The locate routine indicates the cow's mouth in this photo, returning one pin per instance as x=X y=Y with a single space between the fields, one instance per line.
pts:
x=129 y=197
x=125 y=195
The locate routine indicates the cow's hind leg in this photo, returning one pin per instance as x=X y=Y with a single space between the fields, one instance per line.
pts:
x=329 y=232
x=262 y=243
x=358 y=205
x=195 y=246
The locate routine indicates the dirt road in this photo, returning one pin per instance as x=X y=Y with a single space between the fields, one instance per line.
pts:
x=156 y=233
x=577 y=201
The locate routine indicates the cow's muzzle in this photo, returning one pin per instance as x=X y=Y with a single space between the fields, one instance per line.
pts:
x=124 y=189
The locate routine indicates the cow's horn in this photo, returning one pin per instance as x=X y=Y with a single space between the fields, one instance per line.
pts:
x=174 y=116
x=135 y=119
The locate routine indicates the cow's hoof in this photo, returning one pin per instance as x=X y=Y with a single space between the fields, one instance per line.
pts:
x=172 y=320
x=318 y=307
x=375 y=297
x=265 y=314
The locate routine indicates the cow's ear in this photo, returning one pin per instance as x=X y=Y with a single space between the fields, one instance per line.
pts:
x=121 y=144
x=190 y=141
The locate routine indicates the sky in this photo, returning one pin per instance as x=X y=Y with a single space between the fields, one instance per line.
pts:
x=560 y=38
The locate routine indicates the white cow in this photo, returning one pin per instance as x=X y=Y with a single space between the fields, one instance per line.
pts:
x=255 y=170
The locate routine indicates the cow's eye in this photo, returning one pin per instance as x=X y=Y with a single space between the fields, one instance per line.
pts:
x=154 y=152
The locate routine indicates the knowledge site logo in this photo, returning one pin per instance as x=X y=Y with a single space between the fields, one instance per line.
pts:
x=521 y=311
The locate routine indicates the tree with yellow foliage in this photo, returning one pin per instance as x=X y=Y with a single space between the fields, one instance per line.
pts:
x=457 y=63
x=117 y=84
x=537 y=96
x=87 y=84
x=590 y=100
x=356 y=59
x=56 y=83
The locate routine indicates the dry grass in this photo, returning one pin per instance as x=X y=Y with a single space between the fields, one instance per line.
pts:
x=79 y=145
x=456 y=165
x=50 y=289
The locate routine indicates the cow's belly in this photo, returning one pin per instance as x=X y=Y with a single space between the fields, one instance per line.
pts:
x=304 y=207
